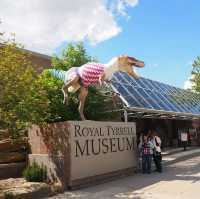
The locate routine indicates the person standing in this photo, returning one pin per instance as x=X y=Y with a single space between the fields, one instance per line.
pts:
x=157 y=155
x=146 y=148
x=139 y=145
x=184 y=139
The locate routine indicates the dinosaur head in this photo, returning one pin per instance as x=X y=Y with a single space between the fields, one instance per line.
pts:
x=126 y=64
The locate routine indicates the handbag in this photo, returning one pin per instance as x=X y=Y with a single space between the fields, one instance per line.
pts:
x=157 y=144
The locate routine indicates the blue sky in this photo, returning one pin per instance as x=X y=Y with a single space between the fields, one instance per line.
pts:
x=165 y=34
x=162 y=33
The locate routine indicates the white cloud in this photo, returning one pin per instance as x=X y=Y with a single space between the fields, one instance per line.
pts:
x=123 y=4
x=42 y=25
x=119 y=6
x=188 y=84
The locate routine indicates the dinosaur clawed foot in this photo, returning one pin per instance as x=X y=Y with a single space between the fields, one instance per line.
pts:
x=82 y=116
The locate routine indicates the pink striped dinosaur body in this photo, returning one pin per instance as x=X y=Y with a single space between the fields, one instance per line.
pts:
x=90 y=73
x=82 y=77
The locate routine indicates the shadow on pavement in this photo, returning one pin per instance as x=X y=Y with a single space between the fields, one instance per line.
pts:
x=134 y=186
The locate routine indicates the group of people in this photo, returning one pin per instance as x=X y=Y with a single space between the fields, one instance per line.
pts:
x=150 y=148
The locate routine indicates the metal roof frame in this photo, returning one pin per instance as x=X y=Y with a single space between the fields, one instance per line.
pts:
x=159 y=94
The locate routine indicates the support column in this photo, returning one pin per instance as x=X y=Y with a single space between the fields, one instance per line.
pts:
x=125 y=116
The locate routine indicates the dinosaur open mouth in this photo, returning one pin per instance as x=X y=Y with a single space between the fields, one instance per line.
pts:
x=136 y=62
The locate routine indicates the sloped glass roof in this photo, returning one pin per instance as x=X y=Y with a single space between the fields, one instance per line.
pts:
x=146 y=94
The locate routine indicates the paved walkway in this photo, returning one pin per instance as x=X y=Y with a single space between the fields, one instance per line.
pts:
x=170 y=151
x=173 y=155
x=180 y=180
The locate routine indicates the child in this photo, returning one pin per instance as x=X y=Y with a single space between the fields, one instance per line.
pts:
x=146 y=148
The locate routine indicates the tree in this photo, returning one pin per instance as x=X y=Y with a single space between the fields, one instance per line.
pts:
x=196 y=74
x=72 y=56
x=23 y=99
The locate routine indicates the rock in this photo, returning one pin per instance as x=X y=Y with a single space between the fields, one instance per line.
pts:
x=2 y=196
x=57 y=188
x=12 y=170
x=11 y=157
x=20 y=189
x=11 y=182
x=4 y=133
x=9 y=145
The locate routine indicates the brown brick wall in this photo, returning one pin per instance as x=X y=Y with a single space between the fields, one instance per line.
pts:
x=40 y=61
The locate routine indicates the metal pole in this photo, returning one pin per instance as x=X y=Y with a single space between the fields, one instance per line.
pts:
x=125 y=116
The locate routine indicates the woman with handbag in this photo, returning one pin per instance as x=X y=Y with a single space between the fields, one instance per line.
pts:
x=157 y=156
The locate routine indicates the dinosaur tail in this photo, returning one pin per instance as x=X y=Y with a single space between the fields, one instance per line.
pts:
x=65 y=76
x=59 y=74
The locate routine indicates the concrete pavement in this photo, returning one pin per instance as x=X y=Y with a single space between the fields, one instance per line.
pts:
x=179 y=180
x=175 y=155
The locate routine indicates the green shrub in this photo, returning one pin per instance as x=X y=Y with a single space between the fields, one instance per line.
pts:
x=35 y=173
x=9 y=195
x=23 y=99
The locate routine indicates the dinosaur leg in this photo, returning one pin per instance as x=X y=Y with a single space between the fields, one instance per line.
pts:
x=66 y=86
x=134 y=75
x=82 y=97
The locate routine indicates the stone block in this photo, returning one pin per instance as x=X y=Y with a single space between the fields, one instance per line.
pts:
x=11 y=157
x=9 y=145
x=19 y=188
x=12 y=170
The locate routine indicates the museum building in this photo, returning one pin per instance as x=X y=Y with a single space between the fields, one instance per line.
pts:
x=152 y=104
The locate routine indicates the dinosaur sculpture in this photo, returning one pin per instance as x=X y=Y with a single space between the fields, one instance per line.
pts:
x=80 y=78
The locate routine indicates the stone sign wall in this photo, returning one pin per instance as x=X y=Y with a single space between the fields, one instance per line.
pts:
x=82 y=152
x=101 y=147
